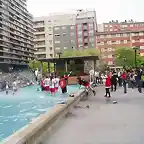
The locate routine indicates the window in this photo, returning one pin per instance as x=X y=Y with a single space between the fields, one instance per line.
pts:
x=101 y=43
x=50 y=48
x=141 y=40
x=72 y=33
x=79 y=26
x=102 y=50
x=133 y=34
x=125 y=41
x=91 y=32
x=50 y=41
x=57 y=41
x=57 y=48
x=79 y=39
x=57 y=34
x=109 y=42
x=125 y=35
x=51 y=55
x=72 y=27
x=141 y=47
x=50 y=34
x=111 y=29
x=50 y=28
x=80 y=46
x=110 y=63
x=101 y=36
x=117 y=35
x=110 y=26
x=64 y=34
x=91 y=39
x=118 y=42
x=141 y=34
x=109 y=49
x=109 y=56
x=106 y=25
x=108 y=36
x=56 y=28
x=131 y=25
x=133 y=41
x=90 y=26
x=63 y=27
x=65 y=48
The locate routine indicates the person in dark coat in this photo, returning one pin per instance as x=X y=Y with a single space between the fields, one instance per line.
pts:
x=114 y=81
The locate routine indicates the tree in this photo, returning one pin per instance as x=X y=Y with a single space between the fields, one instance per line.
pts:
x=84 y=52
x=126 y=57
x=37 y=64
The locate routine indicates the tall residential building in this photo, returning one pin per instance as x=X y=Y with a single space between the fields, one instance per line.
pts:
x=108 y=42
x=59 y=32
x=16 y=34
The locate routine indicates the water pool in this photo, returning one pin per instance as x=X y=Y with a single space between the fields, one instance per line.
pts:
x=18 y=110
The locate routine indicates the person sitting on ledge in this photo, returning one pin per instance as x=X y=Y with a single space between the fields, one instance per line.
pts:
x=86 y=84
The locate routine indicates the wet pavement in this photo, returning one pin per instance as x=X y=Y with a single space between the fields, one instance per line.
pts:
x=104 y=122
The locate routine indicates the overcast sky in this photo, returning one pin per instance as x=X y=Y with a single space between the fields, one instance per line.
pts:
x=106 y=9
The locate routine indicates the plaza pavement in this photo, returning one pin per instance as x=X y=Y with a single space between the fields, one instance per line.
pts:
x=105 y=122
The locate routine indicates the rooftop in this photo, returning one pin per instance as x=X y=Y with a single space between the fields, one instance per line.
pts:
x=69 y=58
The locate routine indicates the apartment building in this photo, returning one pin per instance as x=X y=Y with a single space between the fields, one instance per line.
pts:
x=108 y=42
x=50 y=32
x=16 y=33
x=129 y=25
x=86 y=27
x=64 y=38
x=58 y=32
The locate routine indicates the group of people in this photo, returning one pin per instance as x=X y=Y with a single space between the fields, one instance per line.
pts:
x=53 y=82
x=126 y=78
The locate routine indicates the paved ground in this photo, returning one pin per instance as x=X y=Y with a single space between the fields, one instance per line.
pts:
x=104 y=122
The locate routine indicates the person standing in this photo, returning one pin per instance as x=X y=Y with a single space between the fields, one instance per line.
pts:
x=124 y=80
x=114 y=78
x=107 y=86
x=63 y=83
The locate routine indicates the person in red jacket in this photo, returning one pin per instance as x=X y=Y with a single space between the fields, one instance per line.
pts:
x=108 y=86
x=63 y=83
x=124 y=80
x=86 y=84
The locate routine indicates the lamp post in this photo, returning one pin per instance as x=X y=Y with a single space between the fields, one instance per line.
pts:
x=135 y=55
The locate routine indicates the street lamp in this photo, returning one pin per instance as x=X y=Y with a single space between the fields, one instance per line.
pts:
x=135 y=51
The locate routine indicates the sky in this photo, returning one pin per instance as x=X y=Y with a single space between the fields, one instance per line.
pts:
x=106 y=9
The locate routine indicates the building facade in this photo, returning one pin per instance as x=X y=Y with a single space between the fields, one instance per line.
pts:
x=108 y=42
x=64 y=31
x=64 y=38
x=123 y=26
x=16 y=33
x=86 y=27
